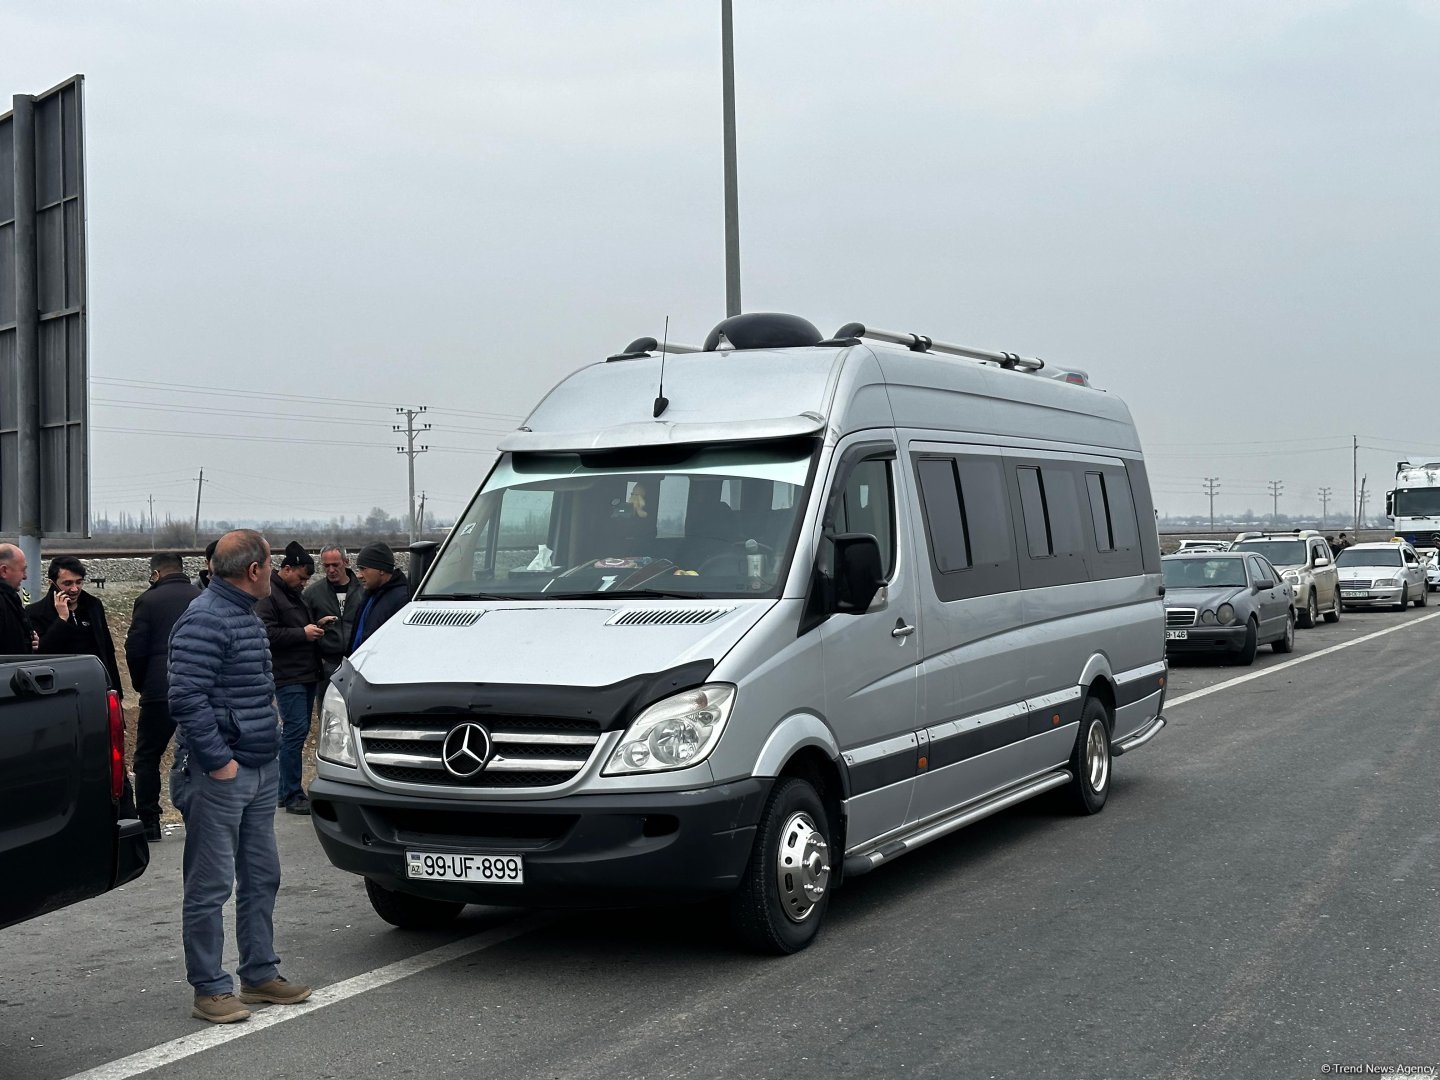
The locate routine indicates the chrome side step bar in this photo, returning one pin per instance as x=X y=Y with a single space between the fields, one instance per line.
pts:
x=865 y=861
x=1138 y=739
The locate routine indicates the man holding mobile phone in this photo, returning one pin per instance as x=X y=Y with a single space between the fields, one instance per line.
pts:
x=72 y=622
x=334 y=601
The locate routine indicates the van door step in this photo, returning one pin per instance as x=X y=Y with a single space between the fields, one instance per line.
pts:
x=922 y=832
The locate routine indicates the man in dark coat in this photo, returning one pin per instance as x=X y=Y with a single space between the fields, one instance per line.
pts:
x=334 y=602
x=293 y=636
x=386 y=591
x=156 y=611
x=72 y=622
x=17 y=635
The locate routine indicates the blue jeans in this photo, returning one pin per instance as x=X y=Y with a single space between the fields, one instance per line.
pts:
x=229 y=837
x=297 y=702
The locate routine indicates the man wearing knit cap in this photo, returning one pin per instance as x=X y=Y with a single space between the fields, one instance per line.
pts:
x=296 y=658
x=387 y=590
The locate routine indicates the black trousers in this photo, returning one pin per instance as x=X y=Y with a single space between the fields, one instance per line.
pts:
x=152 y=735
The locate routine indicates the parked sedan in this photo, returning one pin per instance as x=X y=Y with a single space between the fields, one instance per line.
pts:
x=1381 y=575
x=1226 y=604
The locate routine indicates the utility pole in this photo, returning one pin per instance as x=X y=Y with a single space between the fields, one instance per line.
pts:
x=1360 y=508
x=410 y=450
x=732 y=197
x=1212 y=485
x=195 y=533
x=1324 y=506
x=1354 y=480
x=152 y=522
x=1276 y=487
x=420 y=517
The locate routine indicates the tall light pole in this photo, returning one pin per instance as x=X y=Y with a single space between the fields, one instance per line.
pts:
x=1212 y=485
x=732 y=197
x=1276 y=487
x=410 y=450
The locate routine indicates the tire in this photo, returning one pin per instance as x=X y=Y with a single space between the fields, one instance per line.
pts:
x=1246 y=654
x=411 y=912
x=1286 y=643
x=1404 y=598
x=1311 y=615
x=1090 y=761
x=786 y=888
x=1423 y=599
x=1333 y=615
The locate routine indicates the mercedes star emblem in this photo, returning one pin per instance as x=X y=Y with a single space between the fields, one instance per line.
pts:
x=465 y=751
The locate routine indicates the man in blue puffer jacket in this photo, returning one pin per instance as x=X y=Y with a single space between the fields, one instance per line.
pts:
x=225 y=778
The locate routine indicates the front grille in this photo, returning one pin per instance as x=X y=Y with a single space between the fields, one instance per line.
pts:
x=525 y=751
x=1179 y=616
x=1355 y=584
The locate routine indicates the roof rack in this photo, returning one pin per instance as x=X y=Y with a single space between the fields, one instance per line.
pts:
x=645 y=346
x=920 y=343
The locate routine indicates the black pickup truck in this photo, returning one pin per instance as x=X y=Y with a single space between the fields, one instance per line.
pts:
x=62 y=765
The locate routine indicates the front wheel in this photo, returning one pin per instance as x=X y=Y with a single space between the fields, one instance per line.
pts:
x=1311 y=615
x=1333 y=615
x=1090 y=761
x=1423 y=598
x=786 y=888
x=411 y=912
x=1246 y=656
x=1404 y=598
x=1287 y=643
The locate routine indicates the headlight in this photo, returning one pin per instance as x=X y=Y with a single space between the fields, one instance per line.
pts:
x=335 y=743
x=1292 y=576
x=1385 y=582
x=1225 y=614
x=675 y=733
x=1207 y=617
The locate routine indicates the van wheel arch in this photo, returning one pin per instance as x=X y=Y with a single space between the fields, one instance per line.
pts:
x=816 y=768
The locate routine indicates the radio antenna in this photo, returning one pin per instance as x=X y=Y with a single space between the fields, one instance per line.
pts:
x=661 y=401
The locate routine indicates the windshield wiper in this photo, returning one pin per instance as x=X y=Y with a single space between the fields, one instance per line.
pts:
x=470 y=596
x=662 y=594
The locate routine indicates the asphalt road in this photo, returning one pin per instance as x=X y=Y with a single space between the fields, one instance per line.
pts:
x=1261 y=897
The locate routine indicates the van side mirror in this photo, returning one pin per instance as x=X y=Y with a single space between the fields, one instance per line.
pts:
x=422 y=554
x=1390 y=503
x=858 y=572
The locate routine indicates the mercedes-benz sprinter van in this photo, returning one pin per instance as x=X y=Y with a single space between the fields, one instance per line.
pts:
x=747 y=620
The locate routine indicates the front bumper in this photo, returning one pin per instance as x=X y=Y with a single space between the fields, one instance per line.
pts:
x=1387 y=597
x=1207 y=639
x=578 y=850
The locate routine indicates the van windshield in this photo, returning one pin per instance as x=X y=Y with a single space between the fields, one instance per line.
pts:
x=685 y=521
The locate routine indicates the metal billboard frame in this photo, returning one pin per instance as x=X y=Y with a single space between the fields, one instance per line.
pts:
x=44 y=319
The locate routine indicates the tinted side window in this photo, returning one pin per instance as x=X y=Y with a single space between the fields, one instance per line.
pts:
x=944 y=516
x=1032 y=506
x=1122 y=510
x=868 y=506
x=966 y=506
x=1099 y=512
x=1062 y=508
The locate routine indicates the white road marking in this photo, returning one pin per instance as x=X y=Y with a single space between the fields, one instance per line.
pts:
x=1183 y=698
x=270 y=1015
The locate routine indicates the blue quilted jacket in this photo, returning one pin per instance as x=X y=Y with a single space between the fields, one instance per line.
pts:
x=222 y=691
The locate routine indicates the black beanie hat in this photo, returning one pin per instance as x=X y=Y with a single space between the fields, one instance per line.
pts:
x=210 y=549
x=296 y=555
x=376 y=556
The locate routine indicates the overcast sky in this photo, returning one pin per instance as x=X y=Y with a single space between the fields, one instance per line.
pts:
x=1225 y=211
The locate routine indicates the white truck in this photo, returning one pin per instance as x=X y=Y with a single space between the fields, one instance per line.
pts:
x=1414 y=510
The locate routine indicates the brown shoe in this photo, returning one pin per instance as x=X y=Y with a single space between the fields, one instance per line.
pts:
x=219 y=1009
x=278 y=991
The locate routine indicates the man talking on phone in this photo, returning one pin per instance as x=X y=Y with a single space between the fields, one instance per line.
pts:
x=72 y=622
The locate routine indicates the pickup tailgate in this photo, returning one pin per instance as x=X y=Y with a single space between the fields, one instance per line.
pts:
x=60 y=840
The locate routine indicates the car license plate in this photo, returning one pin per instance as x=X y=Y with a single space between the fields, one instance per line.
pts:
x=1176 y=635
x=1357 y=593
x=449 y=866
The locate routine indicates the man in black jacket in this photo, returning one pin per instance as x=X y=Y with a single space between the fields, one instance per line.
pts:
x=334 y=602
x=146 y=647
x=17 y=635
x=293 y=637
x=386 y=591
x=71 y=622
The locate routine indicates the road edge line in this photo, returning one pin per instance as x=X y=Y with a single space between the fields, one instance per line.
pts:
x=198 y=1042
x=1194 y=694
